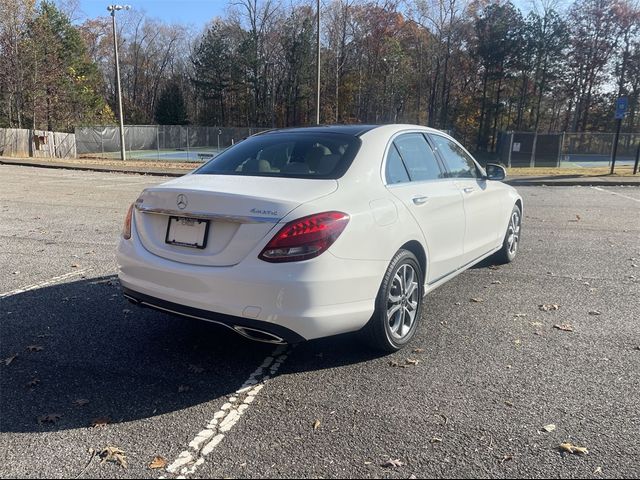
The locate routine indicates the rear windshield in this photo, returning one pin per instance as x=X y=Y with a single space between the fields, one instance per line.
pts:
x=287 y=154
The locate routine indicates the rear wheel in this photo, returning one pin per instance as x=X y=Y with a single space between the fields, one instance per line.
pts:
x=511 y=240
x=398 y=305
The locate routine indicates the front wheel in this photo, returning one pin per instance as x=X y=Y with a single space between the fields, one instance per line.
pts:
x=398 y=304
x=511 y=240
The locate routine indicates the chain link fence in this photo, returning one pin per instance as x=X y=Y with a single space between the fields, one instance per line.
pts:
x=174 y=143
x=565 y=150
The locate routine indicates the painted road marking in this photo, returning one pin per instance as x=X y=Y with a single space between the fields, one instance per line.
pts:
x=46 y=283
x=616 y=193
x=224 y=419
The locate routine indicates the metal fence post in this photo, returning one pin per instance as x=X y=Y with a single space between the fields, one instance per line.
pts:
x=533 y=150
x=188 y=154
x=158 y=141
x=560 y=149
x=510 y=150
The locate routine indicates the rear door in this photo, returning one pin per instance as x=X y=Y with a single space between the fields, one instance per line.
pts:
x=415 y=176
x=483 y=200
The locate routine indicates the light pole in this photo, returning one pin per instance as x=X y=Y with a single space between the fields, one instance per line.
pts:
x=113 y=9
x=318 y=62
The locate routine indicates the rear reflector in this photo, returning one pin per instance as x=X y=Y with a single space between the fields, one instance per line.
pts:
x=126 y=229
x=305 y=238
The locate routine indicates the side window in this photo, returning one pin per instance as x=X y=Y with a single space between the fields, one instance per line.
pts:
x=396 y=173
x=418 y=157
x=459 y=163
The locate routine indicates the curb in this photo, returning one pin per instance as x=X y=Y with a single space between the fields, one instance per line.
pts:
x=84 y=168
x=515 y=182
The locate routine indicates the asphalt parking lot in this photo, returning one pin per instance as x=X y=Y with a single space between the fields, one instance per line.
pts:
x=490 y=373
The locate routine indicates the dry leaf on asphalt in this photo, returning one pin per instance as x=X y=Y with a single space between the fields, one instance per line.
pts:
x=33 y=382
x=598 y=470
x=100 y=422
x=435 y=440
x=565 y=327
x=494 y=267
x=519 y=315
x=113 y=454
x=195 y=368
x=392 y=463
x=80 y=402
x=7 y=361
x=411 y=361
x=418 y=350
x=34 y=348
x=49 y=418
x=316 y=424
x=549 y=428
x=393 y=363
x=571 y=448
x=549 y=307
x=595 y=312
x=477 y=300
x=496 y=282
x=157 y=462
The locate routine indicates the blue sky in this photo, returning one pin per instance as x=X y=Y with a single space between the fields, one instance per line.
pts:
x=191 y=12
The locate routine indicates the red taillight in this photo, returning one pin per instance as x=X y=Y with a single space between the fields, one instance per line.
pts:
x=305 y=238
x=126 y=229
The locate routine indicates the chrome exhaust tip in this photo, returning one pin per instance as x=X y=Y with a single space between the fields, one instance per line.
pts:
x=259 y=335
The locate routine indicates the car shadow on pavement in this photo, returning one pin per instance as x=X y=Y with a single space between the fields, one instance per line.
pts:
x=76 y=353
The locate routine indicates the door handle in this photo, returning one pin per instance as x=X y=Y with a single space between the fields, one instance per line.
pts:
x=420 y=200
x=468 y=189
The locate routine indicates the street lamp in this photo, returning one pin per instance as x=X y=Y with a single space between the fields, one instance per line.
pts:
x=113 y=9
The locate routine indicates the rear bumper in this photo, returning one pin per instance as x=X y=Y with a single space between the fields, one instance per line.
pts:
x=295 y=301
x=243 y=326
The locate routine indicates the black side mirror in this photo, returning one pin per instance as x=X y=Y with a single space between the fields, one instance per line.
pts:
x=495 y=172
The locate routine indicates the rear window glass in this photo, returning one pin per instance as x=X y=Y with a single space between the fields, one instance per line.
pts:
x=302 y=155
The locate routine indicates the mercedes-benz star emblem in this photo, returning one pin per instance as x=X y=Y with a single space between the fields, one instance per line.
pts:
x=182 y=201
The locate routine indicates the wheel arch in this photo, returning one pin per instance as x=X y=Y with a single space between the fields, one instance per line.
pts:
x=418 y=250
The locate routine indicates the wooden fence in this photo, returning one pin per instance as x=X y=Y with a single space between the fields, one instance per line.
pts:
x=20 y=142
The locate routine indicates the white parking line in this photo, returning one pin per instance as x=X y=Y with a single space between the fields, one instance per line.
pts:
x=616 y=193
x=46 y=283
x=224 y=419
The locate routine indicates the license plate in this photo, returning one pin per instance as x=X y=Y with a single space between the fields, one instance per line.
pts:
x=187 y=232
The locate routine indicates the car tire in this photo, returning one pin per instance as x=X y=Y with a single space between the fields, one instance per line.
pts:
x=511 y=241
x=398 y=304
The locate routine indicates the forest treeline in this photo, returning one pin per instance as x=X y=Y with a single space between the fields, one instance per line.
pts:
x=474 y=67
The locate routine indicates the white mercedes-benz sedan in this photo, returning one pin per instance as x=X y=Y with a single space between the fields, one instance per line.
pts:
x=303 y=233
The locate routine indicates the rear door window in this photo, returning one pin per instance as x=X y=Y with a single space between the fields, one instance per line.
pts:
x=418 y=157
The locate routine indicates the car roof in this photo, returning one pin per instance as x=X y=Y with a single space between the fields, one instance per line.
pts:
x=355 y=130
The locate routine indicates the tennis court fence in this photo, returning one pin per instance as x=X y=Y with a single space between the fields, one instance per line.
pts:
x=179 y=143
x=568 y=150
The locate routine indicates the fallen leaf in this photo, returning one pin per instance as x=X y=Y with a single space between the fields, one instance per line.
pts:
x=595 y=312
x=126 y=311
x=100 y=422
x=571 y=448
x=157 y=462
x=418 y=350
x=598 y=470
x=496 y=282
x=392 y=463
x=316 y=424
x=435 y=440
x=183 y=388
x=517 y=341
x=494 y=267
x=80 y=402
x=477 y=300
x=411 y=361
x=33 y=382
x=506 y=458
x=549 y=428
x=113 y=454
x=549 y=307
x=457 y=303
x=7 y=361
x=34 y=348
x=49 y=418
x=75 y=265
x=393 y=363
x=565 y=327
x=519 y=315
x=195 y=368
x=508 y=403
x=577 y=217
